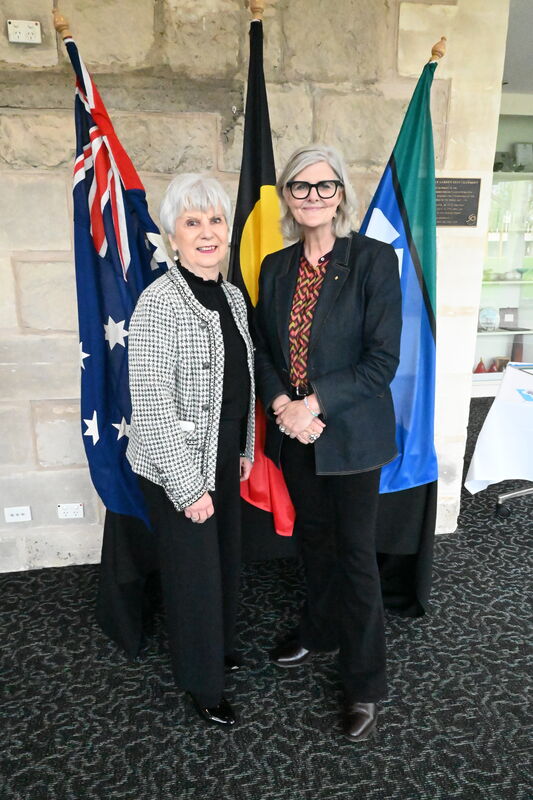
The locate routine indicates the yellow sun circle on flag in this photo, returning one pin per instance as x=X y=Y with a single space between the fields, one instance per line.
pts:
x=261 y=235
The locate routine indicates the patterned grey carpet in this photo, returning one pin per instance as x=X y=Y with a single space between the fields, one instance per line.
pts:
x=77 y=720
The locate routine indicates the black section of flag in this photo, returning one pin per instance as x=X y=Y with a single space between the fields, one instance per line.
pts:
x=412 y=247
x=257 y=167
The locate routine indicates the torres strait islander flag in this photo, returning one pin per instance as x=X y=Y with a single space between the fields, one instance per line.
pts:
x=403 y=214
x=256 y=233
x=118 y=252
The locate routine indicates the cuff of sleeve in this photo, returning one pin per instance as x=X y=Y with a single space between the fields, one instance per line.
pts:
x=181 y=503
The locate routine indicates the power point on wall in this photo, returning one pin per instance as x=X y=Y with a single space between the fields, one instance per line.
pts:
x=17 y=514
x=24 y=31
x=70 y=510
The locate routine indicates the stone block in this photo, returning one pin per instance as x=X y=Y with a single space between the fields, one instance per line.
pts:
x=28 y=55
x=273 y=42
x=456 y=332
x=58 y=436
x=8 y=307
x=348 y=41
x=447 y=514
x=452 y=404
x=459 y=263
x=201 y=37
x=420 y=26
x=34 y=211
x=16 y=435
x=55 y=281
x=291 y=122
x=39 y=367
x=363 y=126
x=111 y=34
x=13 y=556
x=169 y=142
x=451 y=464
x=37 y=139
x=365 y=185
x=59 y=547
x=42 y=490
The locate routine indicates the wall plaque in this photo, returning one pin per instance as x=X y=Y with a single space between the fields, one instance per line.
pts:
x=457 y=201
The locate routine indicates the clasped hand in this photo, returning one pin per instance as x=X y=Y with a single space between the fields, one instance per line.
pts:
x=296 y=421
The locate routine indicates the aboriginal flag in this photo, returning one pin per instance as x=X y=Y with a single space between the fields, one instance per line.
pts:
x=256 y=233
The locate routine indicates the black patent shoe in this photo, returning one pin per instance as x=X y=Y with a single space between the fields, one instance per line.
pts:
x=222 y=714
x=232 y=664
x=359 y=721
x=290 y=654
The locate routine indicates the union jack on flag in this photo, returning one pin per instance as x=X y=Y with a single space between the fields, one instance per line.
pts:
x=118 y=252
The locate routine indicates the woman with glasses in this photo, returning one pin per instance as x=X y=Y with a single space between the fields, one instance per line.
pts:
x=327 y=326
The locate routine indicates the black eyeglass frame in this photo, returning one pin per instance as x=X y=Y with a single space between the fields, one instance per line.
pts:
x=338 y=185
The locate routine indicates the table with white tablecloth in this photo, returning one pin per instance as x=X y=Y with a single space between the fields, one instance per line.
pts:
x=504 y=449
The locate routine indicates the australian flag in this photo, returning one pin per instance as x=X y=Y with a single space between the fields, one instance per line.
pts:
x=118 y=252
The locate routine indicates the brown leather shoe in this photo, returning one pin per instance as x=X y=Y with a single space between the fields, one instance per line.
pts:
x=289 y=654
x=359 y=721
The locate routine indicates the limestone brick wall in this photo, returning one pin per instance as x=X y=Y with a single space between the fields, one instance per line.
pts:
x=172 y=74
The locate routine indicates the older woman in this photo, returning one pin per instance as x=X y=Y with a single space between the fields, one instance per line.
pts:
x=191 y=436
x=328 y=323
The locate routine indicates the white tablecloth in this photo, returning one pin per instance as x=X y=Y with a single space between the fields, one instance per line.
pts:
x=504 y=448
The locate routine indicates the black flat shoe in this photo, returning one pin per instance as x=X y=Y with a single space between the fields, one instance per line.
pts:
x=289 y=654
x=359 y=721
x=232 y=664
x=222 y=714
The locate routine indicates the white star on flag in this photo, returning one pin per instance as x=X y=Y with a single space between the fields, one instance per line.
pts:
x=381 y=229
x=83 y=356
x=122 y=427
x=92 y=428
x=115 y=333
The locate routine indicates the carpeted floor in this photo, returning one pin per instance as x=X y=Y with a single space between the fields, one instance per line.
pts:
x=77 y=720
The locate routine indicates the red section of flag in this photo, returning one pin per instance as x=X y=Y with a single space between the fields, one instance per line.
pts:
x=267 y=490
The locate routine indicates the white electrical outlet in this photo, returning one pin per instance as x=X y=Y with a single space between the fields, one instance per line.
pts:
x=70 y=510
x=17 y=514
x=24 y=31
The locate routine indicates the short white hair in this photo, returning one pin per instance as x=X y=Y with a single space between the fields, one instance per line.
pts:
x=192 y=192
x=305 y=157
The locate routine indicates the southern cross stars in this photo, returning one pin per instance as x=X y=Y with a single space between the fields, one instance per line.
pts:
x=92 y=428
x=122 y=427
x=115 y=333
x=83 y=356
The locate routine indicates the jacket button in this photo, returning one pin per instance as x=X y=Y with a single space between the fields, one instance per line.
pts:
x=205 y=407
x=205 y=365
x=203 y=325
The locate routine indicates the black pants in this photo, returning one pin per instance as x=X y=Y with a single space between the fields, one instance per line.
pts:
x=200 y=574
x=335 y=533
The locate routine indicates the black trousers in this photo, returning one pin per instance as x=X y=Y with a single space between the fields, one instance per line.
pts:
x=335 y=533
x=200 y=567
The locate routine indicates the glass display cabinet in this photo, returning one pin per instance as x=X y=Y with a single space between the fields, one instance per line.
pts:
x=505 y=322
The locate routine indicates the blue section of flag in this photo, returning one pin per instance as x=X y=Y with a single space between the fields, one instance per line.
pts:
x=118 y=252
x=413 y=388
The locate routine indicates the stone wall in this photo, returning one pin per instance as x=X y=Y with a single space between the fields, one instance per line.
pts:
x=172 y=74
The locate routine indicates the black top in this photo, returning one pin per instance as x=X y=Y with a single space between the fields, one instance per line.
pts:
x=236 y=386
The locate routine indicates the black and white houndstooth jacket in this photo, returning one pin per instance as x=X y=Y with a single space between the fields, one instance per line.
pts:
x=176 y=367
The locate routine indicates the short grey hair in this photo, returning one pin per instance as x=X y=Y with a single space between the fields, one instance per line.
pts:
x=305 y=157
x=192 y=192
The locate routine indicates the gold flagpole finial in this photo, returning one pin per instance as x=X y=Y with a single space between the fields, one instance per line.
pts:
x=257 y=8
x=61 y=24
x=439 y=49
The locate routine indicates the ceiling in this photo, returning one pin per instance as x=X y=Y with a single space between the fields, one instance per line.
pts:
x=518 y=69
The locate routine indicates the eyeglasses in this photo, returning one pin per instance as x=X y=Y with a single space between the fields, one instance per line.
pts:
x=302 y=189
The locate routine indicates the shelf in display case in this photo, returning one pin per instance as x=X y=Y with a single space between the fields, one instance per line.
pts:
x=506 y=332
x=507 y=283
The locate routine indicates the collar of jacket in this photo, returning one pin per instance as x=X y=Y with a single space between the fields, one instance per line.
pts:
x=188 y=296
x=340 y=253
